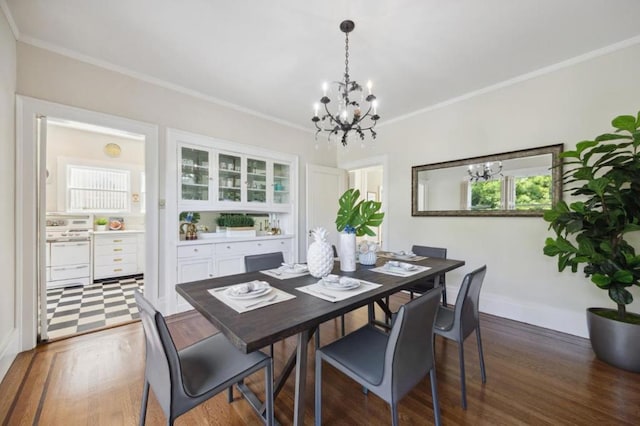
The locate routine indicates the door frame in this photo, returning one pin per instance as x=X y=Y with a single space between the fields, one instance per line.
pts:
x=28 y=217
x=363 y=163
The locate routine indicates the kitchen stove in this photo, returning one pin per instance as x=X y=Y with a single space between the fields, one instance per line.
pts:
x=68 y=251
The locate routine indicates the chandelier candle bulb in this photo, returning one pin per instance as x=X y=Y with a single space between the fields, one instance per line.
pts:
x=369 y=86
x=325 y=87
x=316 y=108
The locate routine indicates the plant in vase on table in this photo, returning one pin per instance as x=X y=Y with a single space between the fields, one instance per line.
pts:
x=593 y=230
x=355 y=218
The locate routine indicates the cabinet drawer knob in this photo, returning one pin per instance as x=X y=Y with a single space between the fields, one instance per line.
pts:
x=117 y=241
x=117 y=249
x=196 y=250
x=118 y=259
x=259 y=244
x=117 y=270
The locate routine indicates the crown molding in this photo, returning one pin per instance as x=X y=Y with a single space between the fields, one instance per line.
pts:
x=12 y=23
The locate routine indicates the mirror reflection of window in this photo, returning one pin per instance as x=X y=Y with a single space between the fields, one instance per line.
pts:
x=525 y=185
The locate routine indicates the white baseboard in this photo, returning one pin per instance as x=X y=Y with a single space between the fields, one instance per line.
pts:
x=9 y=349
x=565 y=321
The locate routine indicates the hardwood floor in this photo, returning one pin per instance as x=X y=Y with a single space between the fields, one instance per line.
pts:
x=534 y=376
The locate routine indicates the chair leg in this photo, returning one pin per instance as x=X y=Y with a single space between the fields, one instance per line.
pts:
x=434 y=396
x=394 y=413
x=462 y=375
x=316 y=338
x=268 y=389
x=480 y=355
x=410 y=294
x=444 y=295
x=318 y=390
x=143 y=405
x=230 y=394
x=271 y=350
x=343 y=329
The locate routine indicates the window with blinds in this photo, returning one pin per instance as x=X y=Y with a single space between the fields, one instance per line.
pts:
x=97 y=189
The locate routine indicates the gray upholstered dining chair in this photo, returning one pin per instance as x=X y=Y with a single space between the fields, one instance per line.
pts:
x=389 y=365
x=427 y=284
x=183 y=379
x=459 y=322
x=260 y=262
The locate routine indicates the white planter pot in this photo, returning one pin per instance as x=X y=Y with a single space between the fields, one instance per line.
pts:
x=347 y=250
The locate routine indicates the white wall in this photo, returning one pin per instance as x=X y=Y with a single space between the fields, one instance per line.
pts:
x=50 y=76
x=564 y=106
x=8 y=326
x=87 y=148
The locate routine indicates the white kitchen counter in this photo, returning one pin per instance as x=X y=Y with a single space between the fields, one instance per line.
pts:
x=126 y=231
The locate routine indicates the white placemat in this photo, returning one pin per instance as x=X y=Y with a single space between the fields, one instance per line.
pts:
x=399 y=272
x=284 y=273
x=244 y=305
x=322 y=292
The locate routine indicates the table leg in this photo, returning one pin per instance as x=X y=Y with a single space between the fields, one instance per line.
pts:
x=301 y=378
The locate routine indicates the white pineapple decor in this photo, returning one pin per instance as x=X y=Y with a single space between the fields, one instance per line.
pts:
x=320 y=254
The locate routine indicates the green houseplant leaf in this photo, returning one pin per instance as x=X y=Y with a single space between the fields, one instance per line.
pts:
x=591 y=231
x=358 y=216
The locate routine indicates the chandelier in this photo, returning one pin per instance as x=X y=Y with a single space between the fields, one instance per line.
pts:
x=484 y=171
x=349 y=115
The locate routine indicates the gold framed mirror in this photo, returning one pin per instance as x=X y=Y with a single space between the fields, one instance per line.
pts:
x=516 y=183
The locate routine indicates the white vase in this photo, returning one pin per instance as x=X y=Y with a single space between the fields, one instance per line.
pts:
x=347 y=252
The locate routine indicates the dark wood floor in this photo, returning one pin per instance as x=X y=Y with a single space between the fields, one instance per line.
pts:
x=534 y=377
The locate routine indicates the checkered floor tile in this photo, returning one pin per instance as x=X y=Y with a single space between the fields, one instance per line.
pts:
x=74 y=310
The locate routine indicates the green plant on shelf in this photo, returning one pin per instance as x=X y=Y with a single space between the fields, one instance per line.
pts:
x=234 y=220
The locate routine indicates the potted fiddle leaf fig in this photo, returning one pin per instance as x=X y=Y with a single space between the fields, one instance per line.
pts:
x=593 y=231
x=355 y=218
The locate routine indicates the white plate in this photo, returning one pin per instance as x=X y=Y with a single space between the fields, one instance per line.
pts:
x=250 y=295
x=405 y=256
x=340 y=287
x=400 y=267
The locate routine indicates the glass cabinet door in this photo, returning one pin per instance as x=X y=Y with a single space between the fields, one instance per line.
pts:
x=256 y=181
x=194 y=170
x=229 y=178
x=281 y=183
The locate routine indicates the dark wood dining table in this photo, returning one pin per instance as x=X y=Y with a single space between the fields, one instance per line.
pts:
x=301 y=316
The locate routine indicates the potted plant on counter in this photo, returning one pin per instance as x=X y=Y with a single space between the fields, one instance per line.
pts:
x=355 y=218
x=593 y=230
x=101 y=224
x=237 y=225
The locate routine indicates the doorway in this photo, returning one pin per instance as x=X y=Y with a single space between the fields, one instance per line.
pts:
x=94 y=202
x=31 y=184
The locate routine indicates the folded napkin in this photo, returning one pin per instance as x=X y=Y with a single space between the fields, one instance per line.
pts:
x=400 y=265
x=249 y=287
x=336 y=281
x=296 y=268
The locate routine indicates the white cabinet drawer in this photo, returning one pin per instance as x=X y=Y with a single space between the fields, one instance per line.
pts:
x=112 y=249
x=69 y=271
x=117 y=259
x=252 y=247
x=196 y=250
x=102 y=240
x=114 y=270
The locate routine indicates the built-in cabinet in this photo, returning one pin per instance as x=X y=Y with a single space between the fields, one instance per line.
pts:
x=199 y=261
x=213 y=178
x=212 y=175
x=117 y=254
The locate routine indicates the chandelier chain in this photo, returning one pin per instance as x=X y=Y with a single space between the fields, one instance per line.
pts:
x=346 y=60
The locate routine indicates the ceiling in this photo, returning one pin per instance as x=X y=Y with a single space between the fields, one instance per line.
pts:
x=271 y=57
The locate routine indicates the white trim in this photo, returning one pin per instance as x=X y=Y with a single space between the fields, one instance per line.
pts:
x=12 y=23
x=381 y=160
x=519 y=79
x=535 y=314
x=156 y=81
x=27 y=218
x=9 y=349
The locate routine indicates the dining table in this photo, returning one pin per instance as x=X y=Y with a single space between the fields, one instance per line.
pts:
x=299 y=316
